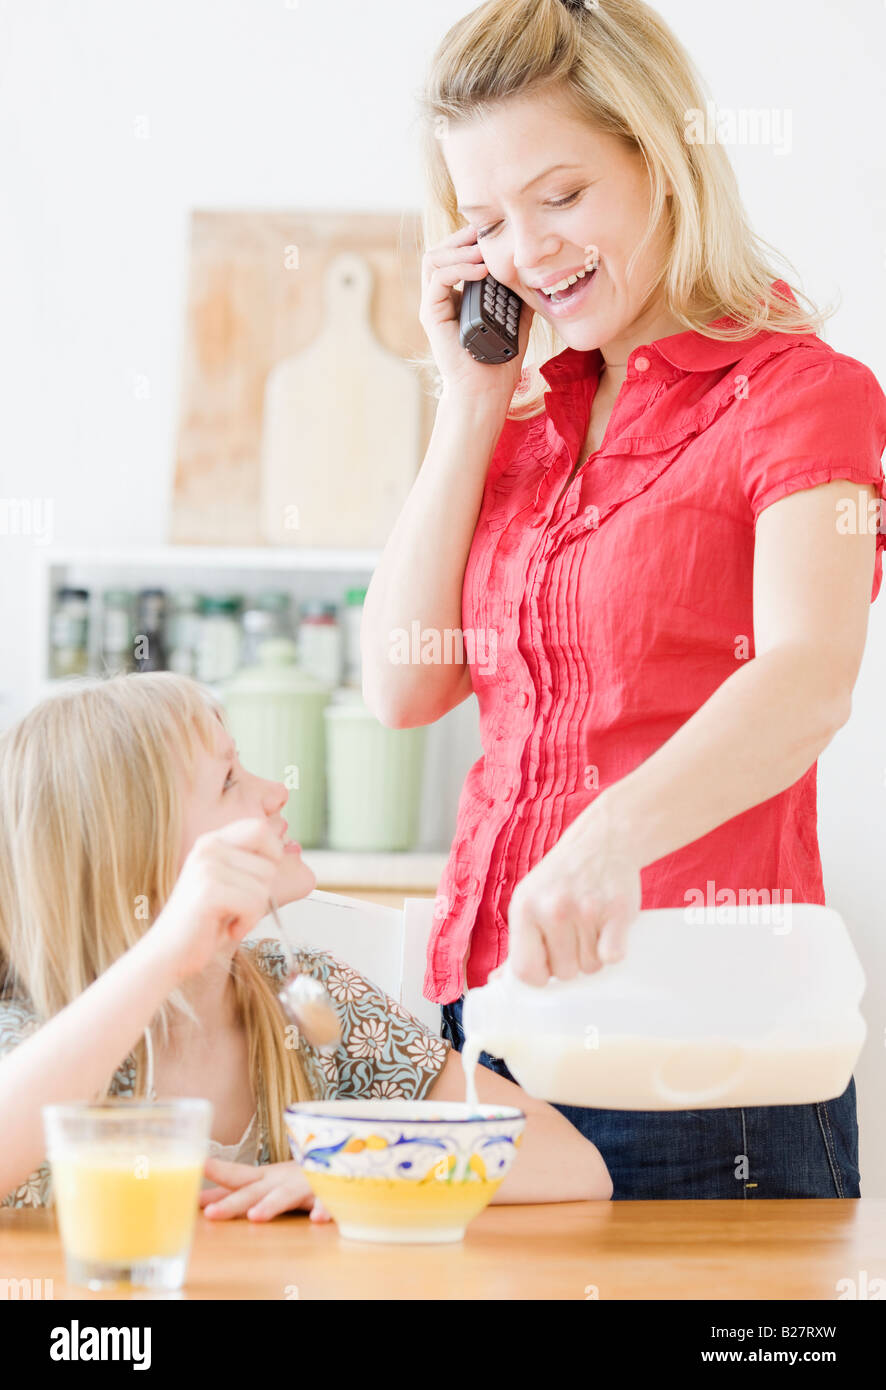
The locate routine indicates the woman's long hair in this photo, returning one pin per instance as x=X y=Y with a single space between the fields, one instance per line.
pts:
x=626 y=74
x=90 y=835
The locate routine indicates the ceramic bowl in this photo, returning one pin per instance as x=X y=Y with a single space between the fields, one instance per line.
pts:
x=404 y=1171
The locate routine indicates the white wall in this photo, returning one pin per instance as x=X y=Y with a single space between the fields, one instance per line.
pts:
x=252 y=104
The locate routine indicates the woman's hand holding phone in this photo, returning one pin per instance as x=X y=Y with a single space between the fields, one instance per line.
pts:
x=220 y=894
x=455 y=259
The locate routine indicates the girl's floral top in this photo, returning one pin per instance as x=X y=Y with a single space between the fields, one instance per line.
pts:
x=384 y=1050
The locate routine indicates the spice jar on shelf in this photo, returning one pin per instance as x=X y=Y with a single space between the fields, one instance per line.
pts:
x=266 y=618
x=117 y=632
x=183 y=632
x=69 y=634
x=319 y=642
x=220 y=636
x=352 y=616
x=150 y=637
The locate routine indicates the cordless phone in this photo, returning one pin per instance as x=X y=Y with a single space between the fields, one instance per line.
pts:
x=489 y=320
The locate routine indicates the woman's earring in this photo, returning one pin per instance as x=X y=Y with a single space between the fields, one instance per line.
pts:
x=592 y=257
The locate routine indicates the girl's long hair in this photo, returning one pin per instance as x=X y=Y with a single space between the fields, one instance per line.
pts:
x=625 y=73
x=90 y=835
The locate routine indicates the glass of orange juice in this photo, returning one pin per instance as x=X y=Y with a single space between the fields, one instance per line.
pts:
x=126 y=1175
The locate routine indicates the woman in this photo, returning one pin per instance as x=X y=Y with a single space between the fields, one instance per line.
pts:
x=135 y=855
x=674 y=549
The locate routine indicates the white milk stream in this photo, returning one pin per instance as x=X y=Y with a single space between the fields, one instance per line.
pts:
x=469 y=1054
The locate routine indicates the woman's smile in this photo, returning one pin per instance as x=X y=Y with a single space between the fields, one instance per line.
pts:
x=565 y=302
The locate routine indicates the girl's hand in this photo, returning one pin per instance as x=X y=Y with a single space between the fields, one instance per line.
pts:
x=572 y=911
x=260 y=1191
x=458 y=258
x=220 y=894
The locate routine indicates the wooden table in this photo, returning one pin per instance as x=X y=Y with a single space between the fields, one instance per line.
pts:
x=577 y=1250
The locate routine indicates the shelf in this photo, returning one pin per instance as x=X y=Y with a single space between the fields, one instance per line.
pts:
x=310 y=574
x=214 y=557
x=350 y=869
x=215 y=568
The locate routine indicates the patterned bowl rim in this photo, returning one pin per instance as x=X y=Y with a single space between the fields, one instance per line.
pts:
x=308 y=1108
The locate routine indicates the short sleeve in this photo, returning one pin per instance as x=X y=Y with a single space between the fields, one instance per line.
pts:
x=813 y=423
x=385 y=1051
x=17 y=1022
x=518 y=437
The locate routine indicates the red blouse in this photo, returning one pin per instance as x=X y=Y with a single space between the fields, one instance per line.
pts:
x=613 y=611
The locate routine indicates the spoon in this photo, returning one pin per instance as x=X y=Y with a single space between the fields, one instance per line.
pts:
x=306 y=1002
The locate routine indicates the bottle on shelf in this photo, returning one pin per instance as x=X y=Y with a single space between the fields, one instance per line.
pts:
x=352 y=614
x=319 y=642
x=117 y=654
x=278 y=602
x=150 y=639
x=220 y=637
x=69 y=633
x=266 y=618
x=183 y=632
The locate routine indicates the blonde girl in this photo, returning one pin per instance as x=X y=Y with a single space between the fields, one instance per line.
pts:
x=136 y=853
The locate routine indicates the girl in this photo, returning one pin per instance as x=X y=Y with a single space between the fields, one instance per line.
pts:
x=676 y=545
x=135 y=855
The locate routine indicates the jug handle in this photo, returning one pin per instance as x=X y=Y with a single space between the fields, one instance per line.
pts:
x=701 y=1097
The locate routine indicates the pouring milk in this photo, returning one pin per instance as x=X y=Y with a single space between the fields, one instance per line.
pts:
x=696 y=1015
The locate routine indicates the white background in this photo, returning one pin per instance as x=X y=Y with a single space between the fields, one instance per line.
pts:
x=259 y=103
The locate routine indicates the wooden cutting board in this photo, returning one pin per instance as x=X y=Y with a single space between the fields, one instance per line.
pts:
x=256 y=299
x=341 y=427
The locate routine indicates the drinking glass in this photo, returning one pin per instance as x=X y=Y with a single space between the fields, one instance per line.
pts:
x=126 y=1175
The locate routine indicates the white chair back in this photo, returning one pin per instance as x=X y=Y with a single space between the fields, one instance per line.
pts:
x=365 y=935
x=386 y=944
x=418 y=921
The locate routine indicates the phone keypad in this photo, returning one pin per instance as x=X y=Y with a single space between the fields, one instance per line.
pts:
x=492 y=310
x=502 y=307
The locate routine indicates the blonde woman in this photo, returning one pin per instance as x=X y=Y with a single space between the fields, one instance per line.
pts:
x=662 y=564
x=135 y=855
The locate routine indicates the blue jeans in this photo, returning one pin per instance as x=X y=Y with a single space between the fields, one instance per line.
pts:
x=761 y=1151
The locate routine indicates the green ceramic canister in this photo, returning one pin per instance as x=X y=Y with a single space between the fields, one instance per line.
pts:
x=275 y=714
x=373 y=777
